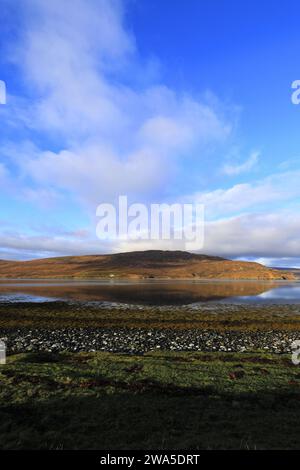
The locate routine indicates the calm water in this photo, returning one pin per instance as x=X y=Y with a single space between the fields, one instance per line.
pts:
x=152 y=292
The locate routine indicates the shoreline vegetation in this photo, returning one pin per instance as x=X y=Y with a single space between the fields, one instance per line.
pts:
x=161 y=400
x=205 y=316
x=84 y=375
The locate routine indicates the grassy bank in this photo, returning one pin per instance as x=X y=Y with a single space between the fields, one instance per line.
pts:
x=159 y=400
x=221 y=318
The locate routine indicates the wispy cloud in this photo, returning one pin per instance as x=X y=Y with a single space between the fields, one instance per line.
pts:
x=278 y=188
x=97 y=121
x=116 y=136
x=237 y=169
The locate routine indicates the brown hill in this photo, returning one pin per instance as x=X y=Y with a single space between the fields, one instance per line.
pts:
x=140 y=265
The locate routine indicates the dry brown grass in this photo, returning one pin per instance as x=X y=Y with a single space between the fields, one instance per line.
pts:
x=140 y=265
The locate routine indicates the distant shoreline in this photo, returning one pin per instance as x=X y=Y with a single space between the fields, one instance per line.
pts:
x=146 y=280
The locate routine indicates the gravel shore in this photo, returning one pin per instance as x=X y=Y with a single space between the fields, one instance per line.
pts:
x=135 y=339
x=139 y=341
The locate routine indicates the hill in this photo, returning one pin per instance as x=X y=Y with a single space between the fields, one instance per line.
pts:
x=140 y=265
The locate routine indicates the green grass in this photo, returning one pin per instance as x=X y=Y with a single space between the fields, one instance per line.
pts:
x=63 y=315
x=156 y=401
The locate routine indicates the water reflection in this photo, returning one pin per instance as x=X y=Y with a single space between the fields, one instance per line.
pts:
x=152 y=292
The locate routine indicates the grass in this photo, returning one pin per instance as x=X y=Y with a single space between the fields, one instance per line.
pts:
x=63 y=315
x=159 y=400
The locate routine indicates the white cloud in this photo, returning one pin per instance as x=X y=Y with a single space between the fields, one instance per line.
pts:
x=268 y=235
x=233 y=170
x=116 y=137
x=262 y=237
x=262 y=194
x=18 y=245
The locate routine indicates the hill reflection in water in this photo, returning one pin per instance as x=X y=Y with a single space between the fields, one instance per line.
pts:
x=149 y=292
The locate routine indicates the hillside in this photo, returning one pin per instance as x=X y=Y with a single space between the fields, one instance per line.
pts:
x=140 y=265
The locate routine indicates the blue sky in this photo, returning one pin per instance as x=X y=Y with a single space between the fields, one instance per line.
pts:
x=165 y=101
